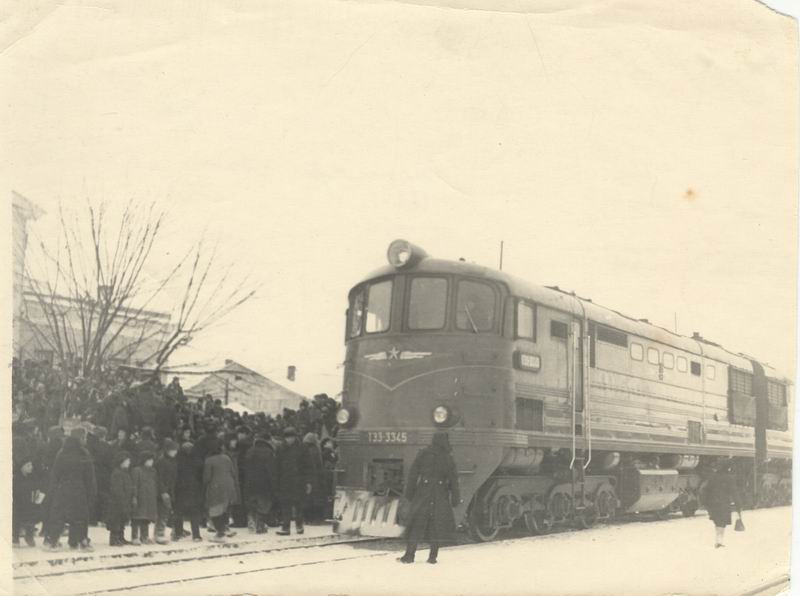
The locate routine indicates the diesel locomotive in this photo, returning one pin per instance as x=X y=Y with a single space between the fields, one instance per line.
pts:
x=560 y=411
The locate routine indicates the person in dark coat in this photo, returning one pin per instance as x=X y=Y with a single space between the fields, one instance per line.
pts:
x=432 y=489
x=146 y=443
x=315 y=500
x=120 y=499
x=145 y=498
x=167 y=472
x=719 y=493
x=26 y=497
x=189 y=491
x=46 y=458
x=74 y=488
x=102 y=455
x=121 y=420
x=244 y=441
x=259 y=484
x=221 y=490
x=294 y=482
x=166 y=422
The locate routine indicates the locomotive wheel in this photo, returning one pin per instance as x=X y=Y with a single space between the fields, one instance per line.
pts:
x=479 y=528
x=586 y=518
x=538 y=523
x=606 y=504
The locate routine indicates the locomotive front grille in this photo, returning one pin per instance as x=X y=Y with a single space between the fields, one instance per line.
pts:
x=385 y=476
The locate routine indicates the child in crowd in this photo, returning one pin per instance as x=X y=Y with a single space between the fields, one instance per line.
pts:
x=26 y=500
x=145 y=498
x=120 y=506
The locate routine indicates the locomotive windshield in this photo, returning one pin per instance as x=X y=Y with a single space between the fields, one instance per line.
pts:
x=371 y=308
x=428 y=303
x=475 y=306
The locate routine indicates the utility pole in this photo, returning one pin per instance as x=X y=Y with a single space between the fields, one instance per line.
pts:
x=501 y=255
x=676 y=321
x=226 y=392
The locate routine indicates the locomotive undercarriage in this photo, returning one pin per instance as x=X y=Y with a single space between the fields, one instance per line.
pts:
x=559 y=495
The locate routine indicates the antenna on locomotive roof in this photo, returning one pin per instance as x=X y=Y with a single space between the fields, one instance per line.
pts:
x=501 y=255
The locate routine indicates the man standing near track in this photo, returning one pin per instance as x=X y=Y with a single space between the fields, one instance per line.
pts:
x=432 y=488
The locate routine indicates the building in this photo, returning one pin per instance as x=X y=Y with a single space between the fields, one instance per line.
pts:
x=23 y=211
x=137 y=334
x=235 y=383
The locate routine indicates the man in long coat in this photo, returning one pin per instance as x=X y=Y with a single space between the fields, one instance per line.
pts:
x=219 y=479
x=259 y=481
x=294 y=482
x=74 y=489
x=432 y=488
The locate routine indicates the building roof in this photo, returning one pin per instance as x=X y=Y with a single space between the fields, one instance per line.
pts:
x=243 y=385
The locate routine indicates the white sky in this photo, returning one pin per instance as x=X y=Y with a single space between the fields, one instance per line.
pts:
x=305 y=135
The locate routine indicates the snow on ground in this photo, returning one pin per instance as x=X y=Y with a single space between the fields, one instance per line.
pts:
x=660 y=557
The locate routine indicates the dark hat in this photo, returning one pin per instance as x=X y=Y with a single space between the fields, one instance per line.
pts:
x=289 y=431
x=244 y=430
x=170 y=445
x=145 y=455
x=187 y=447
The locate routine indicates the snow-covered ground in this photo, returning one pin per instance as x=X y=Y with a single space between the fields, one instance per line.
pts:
x=660 y=557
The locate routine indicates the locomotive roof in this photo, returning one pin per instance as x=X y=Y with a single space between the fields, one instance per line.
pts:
x=554 y=297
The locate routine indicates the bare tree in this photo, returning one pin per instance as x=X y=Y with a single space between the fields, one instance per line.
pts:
x=92 y=298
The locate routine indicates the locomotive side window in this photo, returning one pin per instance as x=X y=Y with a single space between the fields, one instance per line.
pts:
x=428 y=303
x=652 y=355
x=711 y=372
x=637 y=351
x=356 y=314
x=558 y=329
x=668 y=359
x=379 y=306
x=526 y=321
x=682 y=364
x=475 y=306
x=612 y=336
x=776 y=394
x=741 y=381
x=696 y=368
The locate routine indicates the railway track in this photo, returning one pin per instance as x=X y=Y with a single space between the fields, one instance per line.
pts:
x=248 y=559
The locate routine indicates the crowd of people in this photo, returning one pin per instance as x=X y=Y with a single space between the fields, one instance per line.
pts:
x=127 y=451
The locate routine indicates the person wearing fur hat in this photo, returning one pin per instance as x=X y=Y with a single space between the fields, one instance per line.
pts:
x=145 y=498
x=73 y=486
x=293 y=470
x=432 y=489
x=120 y=500
x=167 y=471
x=259 y=484
x=189 y=491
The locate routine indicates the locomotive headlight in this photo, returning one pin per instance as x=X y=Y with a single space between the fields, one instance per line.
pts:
x=441 y=414
x=343 y=416
x=402 y=253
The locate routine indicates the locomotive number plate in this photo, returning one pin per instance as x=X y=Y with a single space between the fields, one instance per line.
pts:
x=382 y=436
